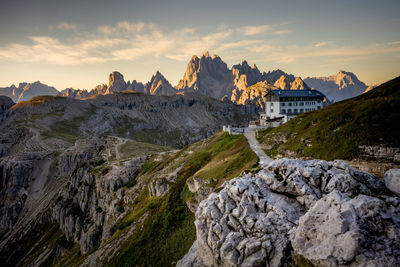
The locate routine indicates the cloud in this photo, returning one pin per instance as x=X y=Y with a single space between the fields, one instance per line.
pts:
x=64 y=26
x=132 y=41
x=124 y=27
x=255 y=30
x=320 y=44
x=394 y=43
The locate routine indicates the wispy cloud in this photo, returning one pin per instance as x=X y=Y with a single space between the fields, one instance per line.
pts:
x=394 y=43
x=320 y=44
x=126 y=27
x=136 y=40
x=262 y=29
x=64 y=26
x=255 y=30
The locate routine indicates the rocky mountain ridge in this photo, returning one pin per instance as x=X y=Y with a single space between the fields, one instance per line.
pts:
x=26 y=91
x=210 y=76
x=338 y=87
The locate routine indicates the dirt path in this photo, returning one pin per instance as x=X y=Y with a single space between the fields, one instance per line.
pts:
x=121 y=141
x=255 y=146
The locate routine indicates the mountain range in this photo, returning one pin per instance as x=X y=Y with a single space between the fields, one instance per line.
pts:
x=210 y=76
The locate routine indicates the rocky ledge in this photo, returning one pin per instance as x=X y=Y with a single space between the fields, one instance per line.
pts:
x=326 y=212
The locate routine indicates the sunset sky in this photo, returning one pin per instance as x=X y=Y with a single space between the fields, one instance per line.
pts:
x=78 y=43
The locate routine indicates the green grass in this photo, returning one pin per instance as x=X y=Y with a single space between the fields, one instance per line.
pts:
x=69 y=130
x=135 y=149
x=169 y=231
x=337 y=131
x=37 y=240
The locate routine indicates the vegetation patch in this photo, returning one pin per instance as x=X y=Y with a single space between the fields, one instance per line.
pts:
x=135 y=149
x=169 y=231
x=337 y=131
x=69 y=130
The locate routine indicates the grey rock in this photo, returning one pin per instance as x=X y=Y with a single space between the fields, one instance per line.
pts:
x=325 y=211
x=338 y=230
x=392 y=180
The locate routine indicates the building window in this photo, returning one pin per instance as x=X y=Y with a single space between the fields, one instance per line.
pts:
x=290 y=104
x=289 y=110
x=283 y=104
x=301 y=104
x=295 y=110
x=301 y=110
x=283 y=110
x=272 y=104
x=272 y=111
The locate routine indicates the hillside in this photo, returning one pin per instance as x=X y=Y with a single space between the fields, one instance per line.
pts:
x=169 y=121
x=367 y=126
x=116 y=200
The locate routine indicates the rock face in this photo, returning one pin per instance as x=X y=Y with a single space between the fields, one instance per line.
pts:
x=255 y=94
x=116 y=82
x=299 y=84
x=282 y=83
x=392 y=180
x=158 y=85
x=207 y=75
x=327 y=212
x=94 y=195
x=5 y=103
x=338 y=87
x=26 y=91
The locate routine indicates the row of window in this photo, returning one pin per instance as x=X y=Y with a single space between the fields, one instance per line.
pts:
x=296 y=110
x=308 y=103
x=297 y=99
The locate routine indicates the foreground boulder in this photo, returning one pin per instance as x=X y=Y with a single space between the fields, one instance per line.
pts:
x=327 y=212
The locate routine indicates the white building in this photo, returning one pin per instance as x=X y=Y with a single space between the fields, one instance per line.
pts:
x=283 y=105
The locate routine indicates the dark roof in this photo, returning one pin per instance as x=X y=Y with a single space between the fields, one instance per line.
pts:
x=297 y=93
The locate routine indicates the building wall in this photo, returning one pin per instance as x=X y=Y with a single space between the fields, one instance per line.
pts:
x=288 y=109
x=272 y=109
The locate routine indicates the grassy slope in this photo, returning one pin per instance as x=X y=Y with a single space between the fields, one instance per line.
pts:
x=337 y=131
x=169 y=229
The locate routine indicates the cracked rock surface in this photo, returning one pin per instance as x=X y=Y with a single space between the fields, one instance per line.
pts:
x=327 y=212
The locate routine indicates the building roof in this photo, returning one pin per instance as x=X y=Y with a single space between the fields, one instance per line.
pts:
x=297 y=93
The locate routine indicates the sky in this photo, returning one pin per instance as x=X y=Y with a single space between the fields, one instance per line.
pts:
x=78 y=43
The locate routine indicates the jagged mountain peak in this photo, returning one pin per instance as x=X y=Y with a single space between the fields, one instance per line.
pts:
x=342 y=85
x=116 y=82
x=299 y=84
x=282 y=82
x=159 y=85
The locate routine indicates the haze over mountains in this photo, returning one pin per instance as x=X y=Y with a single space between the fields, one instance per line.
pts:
x=210 y=76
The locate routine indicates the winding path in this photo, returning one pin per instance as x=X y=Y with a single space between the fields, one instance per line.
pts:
x=255 y=146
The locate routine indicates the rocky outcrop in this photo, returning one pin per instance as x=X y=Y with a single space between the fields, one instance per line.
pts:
x=207 y=75
x=299 y=84
x=116 y=83
x=392 y=180
x=5 y=103
x=282 y=83
x=255 y=95
x=341 y=230
x=380 y=153
x=338 y=87
x=86 y=207
x=327 y=212
x=158 y=85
